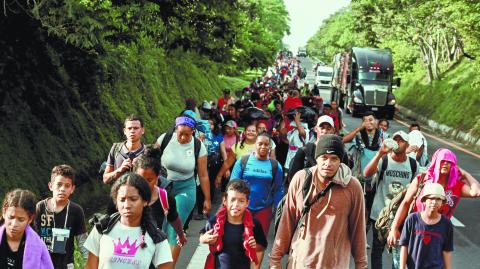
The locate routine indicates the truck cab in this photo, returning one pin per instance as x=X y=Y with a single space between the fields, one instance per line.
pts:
x=302 y=52
x=363 y=79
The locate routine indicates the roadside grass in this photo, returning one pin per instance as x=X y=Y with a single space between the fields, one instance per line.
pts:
x=454 y=100
x=241 y=81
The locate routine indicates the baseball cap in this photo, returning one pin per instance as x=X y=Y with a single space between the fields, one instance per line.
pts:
x=330 y=144
x=433 y=190
x=231 y=124
x=325 y=118
x=402 y=134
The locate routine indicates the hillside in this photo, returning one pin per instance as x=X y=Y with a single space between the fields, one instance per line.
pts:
x=454 y=100
x=71 y=71
x=60 y=104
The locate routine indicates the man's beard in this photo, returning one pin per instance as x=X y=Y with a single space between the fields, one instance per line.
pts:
x=325 y=177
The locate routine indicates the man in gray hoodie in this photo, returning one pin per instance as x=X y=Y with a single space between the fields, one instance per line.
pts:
x=335 y=223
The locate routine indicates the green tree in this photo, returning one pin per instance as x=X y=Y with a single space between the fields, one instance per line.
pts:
x=336 y=34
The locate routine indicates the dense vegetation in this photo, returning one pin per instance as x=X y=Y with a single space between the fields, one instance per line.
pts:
x=71 y=71
x=428 y=39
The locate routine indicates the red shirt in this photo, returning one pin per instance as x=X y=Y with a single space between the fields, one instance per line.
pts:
x=336 y=120
x=221 y=102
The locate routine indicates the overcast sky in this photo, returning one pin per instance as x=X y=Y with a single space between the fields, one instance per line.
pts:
x=305 y=18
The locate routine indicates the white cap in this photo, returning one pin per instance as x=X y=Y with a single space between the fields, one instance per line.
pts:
x=433 y=190
x=402 y=135
x=327 y=119
x=416 y=138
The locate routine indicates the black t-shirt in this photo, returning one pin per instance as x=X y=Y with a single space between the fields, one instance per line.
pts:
x=233 y=253
x=8 y=258
x=46 y=220
x=159 y=215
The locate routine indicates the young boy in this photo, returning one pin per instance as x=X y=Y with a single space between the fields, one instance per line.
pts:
x=427 y=236
x=236 y=239
x=59 y=220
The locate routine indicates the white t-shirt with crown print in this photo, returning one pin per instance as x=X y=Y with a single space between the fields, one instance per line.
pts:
x=120 y=249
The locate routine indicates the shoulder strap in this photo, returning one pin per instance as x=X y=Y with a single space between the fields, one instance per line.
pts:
x=197 y=145
x=243 y=162
x=383 y=168
x=104 y=223
x=166 y=139
x=307 y=182
x=117 y=147
x=274 y=168
x=413 y=167
x=307 y=205
x=163 y=197
x=421 y=184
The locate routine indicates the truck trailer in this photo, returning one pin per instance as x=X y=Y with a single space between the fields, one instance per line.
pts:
x=363 y=80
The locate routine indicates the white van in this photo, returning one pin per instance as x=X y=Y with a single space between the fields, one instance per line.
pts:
x=323 y=77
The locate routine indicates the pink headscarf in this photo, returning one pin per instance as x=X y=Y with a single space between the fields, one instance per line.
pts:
x=433 y=171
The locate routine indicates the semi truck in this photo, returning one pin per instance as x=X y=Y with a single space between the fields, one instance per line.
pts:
x=363 y=81
x=302 y=52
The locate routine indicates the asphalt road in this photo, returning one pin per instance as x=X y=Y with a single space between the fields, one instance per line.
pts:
x=466 y=218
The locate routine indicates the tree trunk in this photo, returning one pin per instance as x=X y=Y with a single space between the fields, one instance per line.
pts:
x=433 y=58
x=426 y=61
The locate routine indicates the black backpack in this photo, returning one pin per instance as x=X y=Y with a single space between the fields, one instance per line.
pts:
x=308 y=153
x=197 y=144
x=306 y=207
x=104 y=224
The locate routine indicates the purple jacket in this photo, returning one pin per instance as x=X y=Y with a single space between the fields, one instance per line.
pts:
x=36 y=253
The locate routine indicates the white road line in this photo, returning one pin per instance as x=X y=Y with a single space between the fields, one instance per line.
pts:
x=199 y=257
x=456 y=222
x=443 y=141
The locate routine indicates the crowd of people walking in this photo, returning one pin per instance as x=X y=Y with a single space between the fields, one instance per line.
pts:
x=272 y=152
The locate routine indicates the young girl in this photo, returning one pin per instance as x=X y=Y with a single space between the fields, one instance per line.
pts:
x=148 y=166
x=129 y=238
x=20 y=246
x=230 y=138
x=243 y=147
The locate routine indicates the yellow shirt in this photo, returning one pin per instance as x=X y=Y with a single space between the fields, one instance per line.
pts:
x=239 y=152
